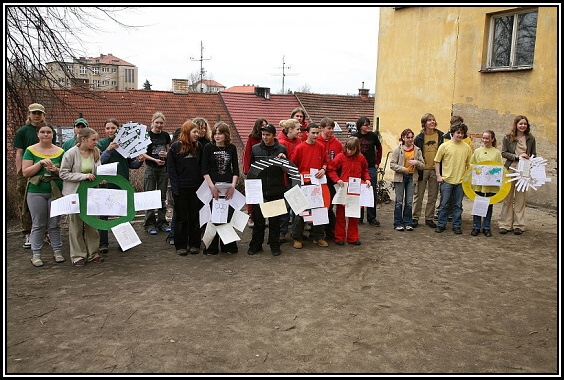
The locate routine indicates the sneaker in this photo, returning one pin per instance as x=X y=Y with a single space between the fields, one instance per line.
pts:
x=503 y=231
x=194 y=250
x=356 y=242
x=97 y=259
x=36 y=262
x=457 y=230
x=165 y=229
x=321 y=243
x=253 y=250
x=27 y=243
x=439 y=229
x=488 y=233
x=408 y=228
x=276 y=251
x=474 y=232
x=79 y=262
x=152 y=231
x=375 y=222
x=431 y=224
x=399 y=228
x=298 y=244
x=58 y=256
x=517 y=231
x=181 y=252
x=340 y=242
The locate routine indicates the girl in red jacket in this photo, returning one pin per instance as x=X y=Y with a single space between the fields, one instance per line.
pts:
x=349 y=163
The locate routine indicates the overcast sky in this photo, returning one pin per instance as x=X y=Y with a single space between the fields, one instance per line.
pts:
x=332 y=50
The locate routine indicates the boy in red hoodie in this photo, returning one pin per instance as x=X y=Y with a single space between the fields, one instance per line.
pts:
x=349 y=164
x=332 y=148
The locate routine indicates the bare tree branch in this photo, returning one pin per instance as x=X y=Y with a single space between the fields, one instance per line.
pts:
x=37 y=35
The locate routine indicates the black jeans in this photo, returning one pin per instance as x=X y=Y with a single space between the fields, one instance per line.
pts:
x=187 y=233
x=257 y=237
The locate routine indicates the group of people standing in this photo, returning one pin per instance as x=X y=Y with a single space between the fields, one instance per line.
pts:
x=436 y=162
x=430 y=162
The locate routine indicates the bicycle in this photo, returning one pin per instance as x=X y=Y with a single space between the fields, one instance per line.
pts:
x=383 y=192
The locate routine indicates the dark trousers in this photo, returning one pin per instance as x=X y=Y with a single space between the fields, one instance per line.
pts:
x=257 y=237
x=187 y=225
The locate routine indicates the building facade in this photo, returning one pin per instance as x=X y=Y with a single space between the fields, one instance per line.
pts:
x=486 y=64
x=103 y=73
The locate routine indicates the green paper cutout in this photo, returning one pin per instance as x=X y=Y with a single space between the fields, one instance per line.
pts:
x=94 y=220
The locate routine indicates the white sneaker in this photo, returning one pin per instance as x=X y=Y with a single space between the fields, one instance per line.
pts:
x=398 y=228
x=408 y=228
x=27 y=243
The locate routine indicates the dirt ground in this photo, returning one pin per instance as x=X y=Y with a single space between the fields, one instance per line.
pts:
x=401 y=303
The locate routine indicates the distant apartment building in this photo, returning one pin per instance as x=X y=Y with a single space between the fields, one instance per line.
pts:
x=207 y=86
x=103 y=73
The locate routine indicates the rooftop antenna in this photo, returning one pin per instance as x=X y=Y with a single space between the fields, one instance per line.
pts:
x=284 y=68
x=202 y=59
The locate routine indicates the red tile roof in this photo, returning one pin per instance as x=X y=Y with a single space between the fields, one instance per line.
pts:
x=108 y=59
x=209 y=83
x=134 y=105
x=240 y=110
x=245 y=108
x=341 y=108
x=247 y=88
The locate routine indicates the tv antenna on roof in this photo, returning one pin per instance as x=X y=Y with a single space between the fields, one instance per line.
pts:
x=202 y=71
x=284 y=68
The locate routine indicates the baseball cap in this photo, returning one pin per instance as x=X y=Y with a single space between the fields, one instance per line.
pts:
x=269 y=128
x=81 y=120
x=36 y=107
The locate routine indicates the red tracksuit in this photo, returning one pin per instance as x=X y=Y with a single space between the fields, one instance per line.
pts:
x=349 y=166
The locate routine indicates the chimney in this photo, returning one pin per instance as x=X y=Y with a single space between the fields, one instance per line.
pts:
x=363 y=92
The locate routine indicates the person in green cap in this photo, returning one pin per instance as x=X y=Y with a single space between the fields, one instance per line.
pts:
x=78 y=125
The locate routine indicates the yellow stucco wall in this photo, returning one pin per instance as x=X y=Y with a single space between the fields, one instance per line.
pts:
x=429 y=60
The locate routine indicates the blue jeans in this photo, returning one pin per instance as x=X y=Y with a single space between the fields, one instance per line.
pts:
x=156 y=178
x=448 y=192
x=404 y=201
x=486 y=222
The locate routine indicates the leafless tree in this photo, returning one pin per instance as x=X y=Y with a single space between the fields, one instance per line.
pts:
x=35 y=35
x=305 y=88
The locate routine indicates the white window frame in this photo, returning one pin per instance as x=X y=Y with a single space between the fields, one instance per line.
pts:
x=83 y=70
x=95 y=70
x=491 y=66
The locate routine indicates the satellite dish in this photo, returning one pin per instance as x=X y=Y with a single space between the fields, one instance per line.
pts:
x=337 y=128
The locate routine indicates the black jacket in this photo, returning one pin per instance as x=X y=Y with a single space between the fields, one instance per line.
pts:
x=272 y=176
